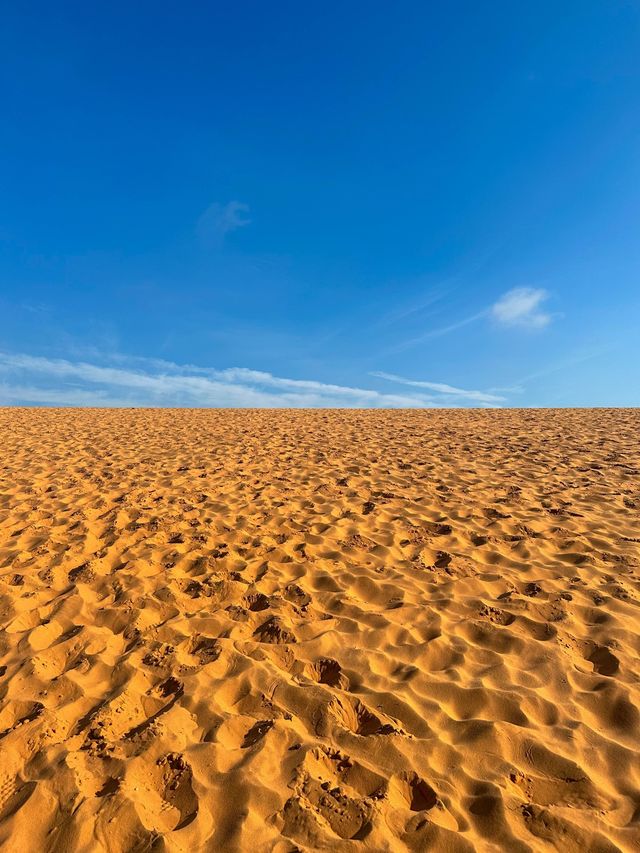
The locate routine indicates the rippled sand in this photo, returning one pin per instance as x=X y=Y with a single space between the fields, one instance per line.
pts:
x=329 y=630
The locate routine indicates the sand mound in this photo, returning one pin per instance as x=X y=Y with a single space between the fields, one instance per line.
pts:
x=295 y=630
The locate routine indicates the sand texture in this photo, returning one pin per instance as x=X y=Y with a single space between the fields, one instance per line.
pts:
x=330 y=630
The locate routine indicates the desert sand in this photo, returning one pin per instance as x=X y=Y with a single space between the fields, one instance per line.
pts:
x=319 y=630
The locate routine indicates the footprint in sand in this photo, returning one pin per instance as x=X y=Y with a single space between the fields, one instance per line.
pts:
x=274 y=631
x=205 y=649
x=327 y=671
x=497 y=616
x=604 y=662
x=256 y=601
x=162 y=792
x=333 y=799
x=296 y=595
x=356 y=717
x=18 y=713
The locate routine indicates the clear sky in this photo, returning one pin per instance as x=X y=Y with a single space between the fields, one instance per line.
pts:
x=289 y=203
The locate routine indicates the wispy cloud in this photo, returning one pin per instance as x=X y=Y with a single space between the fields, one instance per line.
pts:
x=443 y=388
x=33 y=379
x=518 y=307
x=30 y=395
x=121 y=381
x=403 y=313
x=521 y=307
x=438 y=332
x=36 y=307
x=567 y=363
x=218 y=220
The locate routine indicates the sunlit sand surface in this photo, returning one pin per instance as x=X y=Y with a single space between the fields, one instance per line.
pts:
x=327 y=630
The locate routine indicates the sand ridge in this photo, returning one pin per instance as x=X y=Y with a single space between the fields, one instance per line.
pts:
x=319 y=630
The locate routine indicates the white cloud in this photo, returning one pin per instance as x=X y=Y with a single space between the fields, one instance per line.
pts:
x=27 y=395
x=443 y=388
x=121 y=381
x=518 y=307
x=521 y=307
x=219 y=220
x=64 y=382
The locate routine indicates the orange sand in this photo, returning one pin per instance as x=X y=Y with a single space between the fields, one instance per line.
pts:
x=330 y=630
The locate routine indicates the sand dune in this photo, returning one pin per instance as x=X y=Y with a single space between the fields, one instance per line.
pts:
x=330 y=630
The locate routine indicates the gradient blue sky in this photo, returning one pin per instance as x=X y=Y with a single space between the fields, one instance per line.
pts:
x=320 y=204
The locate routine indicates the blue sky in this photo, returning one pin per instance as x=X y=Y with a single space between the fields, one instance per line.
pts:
x=354 y=204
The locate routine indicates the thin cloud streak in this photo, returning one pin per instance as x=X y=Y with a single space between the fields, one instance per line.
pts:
x=442 y=388
x=565 y=364
x=168 y=384
x=135 y=381
x=519 y=307
x=444 y=288
x=28 y=395
x=401 y=314
x=436 y=333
